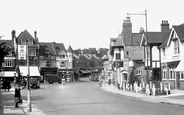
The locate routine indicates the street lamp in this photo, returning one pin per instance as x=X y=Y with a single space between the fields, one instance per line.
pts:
x=28 y=79
x=145 y=14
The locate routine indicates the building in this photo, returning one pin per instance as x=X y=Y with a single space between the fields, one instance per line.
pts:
x=172 y=58
x=153 y=40
x=126 y=48
x=47 y=59
x=27 y=50
x=8 y=69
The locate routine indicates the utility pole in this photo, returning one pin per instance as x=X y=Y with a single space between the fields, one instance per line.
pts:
x=28 y=80
x=145 y=14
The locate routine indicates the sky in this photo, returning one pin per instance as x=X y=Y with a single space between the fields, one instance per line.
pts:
x=84 y=23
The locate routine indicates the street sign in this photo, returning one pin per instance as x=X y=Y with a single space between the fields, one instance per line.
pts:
x=118 y=63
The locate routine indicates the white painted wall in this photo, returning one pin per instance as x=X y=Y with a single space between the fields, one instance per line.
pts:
x=116 y=50
x=169 y=52
x=155 y=53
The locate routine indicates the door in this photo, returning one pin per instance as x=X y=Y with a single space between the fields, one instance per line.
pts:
x=177 y=84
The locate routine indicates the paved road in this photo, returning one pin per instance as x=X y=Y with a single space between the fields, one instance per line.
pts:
x=86 y=98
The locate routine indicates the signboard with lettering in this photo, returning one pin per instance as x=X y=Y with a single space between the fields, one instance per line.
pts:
x=118 y=63
x=22 y=52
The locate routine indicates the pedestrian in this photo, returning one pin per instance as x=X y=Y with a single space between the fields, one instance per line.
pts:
x=5 y=85
x=8 y=85
x=17 y=95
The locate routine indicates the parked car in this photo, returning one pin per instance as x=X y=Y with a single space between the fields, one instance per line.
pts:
x=51 y=78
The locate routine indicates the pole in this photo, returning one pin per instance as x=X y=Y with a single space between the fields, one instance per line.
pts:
x=145 y=14
x=147 y=76
x=28 y=82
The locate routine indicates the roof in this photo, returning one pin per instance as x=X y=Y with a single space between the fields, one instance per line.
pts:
x=25 y=35
x=59 y=47
x=156 y=37
x=70 y=50
x=180 y=32
x=8 y=42
x=44 y=47
x=135 y=52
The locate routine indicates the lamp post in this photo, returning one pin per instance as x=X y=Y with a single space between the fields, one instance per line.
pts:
x=28 y=79
x=145 y=14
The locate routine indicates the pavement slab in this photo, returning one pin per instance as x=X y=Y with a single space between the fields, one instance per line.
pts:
x=8 y=107
x=176 y=97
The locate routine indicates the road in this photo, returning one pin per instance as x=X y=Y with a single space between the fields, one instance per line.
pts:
x=87 y=98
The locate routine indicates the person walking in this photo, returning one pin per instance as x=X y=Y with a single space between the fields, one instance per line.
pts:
x=5 y=85
x=17 y=95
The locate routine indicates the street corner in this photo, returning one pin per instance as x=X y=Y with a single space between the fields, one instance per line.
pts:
x=34 y=110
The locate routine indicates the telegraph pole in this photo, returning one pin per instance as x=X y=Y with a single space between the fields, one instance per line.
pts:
x=145 y=14
x=28 y=80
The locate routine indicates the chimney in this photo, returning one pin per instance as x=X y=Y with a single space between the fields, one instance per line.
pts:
x=13 y=34
x=164 y=25
x=35 y=34
x=127 y=31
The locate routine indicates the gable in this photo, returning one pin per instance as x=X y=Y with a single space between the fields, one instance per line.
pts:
x=46 y=47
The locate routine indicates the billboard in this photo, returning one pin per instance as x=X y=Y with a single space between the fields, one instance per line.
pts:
x=22 y=52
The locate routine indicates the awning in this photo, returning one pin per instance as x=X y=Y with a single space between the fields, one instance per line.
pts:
x=124 y=72
x=180 y=66
x=7 y=74
x=84 y=71
x=34 y=71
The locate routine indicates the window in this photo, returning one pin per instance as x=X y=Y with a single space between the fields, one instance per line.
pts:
x=118 y=56
x=176 y=47
x=182 y=75
x=171 y=74
x=8 y=63
x=138 y=72
x=164 y=74
x=163 y=51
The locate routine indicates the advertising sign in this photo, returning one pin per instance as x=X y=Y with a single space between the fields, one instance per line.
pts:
x=22 y=52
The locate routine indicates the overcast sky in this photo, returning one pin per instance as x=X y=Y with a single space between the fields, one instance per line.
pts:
x=84 y=23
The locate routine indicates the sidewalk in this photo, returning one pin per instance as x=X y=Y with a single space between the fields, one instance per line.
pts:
x=8 y=106
x=176 y=97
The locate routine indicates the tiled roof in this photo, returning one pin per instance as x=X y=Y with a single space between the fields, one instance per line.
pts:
x=75 y=56
x=135 y=52
x=8 y=42
x=70 y=50
x=59 y=47
x=25 y=35
x=180 y=32
x=44 y=47
x=156 y=37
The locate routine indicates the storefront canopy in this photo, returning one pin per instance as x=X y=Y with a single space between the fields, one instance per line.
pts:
x=84 y=71
x=34 y=71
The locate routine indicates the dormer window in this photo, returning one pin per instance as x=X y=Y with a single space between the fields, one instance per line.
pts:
x=176 y=47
